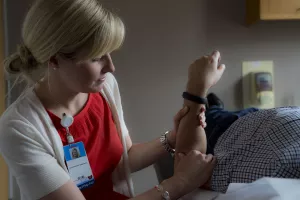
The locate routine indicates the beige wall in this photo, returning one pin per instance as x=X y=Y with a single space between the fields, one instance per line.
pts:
x=277 y=41
x=164 y=37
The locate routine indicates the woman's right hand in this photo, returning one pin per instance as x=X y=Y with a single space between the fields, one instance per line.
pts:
x=194 y=169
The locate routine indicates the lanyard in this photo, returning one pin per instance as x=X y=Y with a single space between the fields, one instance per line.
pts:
x=66 y=121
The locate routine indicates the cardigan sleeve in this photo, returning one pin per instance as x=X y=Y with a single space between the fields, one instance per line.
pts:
x=36 y=171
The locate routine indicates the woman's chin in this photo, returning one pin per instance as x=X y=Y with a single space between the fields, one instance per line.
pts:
x=96 y=89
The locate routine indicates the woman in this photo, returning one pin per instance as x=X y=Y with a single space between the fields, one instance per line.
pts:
x=65 y=56
x=75 y=153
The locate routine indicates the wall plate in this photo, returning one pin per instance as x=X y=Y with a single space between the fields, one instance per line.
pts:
x=248 y=69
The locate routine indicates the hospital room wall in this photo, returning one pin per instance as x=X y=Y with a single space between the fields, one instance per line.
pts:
x=278 y=41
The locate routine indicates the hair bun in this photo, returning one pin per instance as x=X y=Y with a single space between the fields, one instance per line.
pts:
x=22 y=61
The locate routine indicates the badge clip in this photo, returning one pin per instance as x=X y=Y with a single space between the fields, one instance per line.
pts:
x=66 y=122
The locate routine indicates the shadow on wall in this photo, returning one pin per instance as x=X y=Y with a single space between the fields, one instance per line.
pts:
x=238 y=96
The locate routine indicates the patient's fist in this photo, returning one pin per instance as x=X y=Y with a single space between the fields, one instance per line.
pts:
x=204 y=73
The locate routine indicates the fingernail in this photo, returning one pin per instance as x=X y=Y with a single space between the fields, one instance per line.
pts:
x=215 y=51
x=202 y=109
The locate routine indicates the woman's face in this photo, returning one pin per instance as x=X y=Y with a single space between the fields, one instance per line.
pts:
x=84 y=76
x=75 y=153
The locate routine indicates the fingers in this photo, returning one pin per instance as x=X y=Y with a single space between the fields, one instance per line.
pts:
x=203 y=124
x=180 y=115
x=216 y=56
x=203 y=109
x=209 y=158
x=203 y=158
x=221 y=69
x=180 y=156
x=194 y=153
x=202 y=117
x=214 y=161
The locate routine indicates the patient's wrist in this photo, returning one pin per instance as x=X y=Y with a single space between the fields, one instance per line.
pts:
x=196 y=90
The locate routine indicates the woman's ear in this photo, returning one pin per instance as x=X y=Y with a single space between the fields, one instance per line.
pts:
x=53 y=63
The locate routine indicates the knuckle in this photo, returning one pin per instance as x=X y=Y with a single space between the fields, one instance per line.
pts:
x=194 y=152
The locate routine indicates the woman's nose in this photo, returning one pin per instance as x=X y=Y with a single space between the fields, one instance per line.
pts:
x=109 y=65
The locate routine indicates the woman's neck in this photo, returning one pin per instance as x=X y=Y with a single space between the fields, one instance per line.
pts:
x=59 y=99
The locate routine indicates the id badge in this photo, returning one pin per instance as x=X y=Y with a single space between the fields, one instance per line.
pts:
x=78 y=165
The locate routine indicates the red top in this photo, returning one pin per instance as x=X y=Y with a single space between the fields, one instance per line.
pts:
x=94 y=126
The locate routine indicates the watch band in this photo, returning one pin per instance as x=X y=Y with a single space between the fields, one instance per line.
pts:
x=165 y=143
x=194 y=98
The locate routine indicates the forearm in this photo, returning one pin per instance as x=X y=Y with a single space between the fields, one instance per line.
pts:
x=190 y=135
x=173 y=186
x=145 y=154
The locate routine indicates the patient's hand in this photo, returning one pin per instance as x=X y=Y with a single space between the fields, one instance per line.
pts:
x=204 y=73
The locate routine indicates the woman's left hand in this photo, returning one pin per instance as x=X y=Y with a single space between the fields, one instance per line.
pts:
x=172 y=134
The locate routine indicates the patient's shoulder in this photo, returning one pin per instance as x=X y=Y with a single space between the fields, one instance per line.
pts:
x=267 y=117
x=270 y=126
x=285 y=114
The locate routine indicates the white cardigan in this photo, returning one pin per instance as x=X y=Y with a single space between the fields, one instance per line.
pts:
x=33 y=151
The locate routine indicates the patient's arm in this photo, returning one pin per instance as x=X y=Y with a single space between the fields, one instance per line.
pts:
x=203 y=73
x=190 y=134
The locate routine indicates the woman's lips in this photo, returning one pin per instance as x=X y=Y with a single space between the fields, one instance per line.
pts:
x=103 y=78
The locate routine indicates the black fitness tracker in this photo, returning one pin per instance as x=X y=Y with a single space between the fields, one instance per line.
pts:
x=193 y=98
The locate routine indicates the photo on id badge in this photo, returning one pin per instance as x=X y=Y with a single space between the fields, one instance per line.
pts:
x=78 y=165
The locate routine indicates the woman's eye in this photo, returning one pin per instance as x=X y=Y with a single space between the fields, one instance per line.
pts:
x=95 y=60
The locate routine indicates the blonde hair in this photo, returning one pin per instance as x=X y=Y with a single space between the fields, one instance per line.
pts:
x=64 y=27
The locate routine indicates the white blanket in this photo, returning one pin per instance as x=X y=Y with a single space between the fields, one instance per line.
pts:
x=262 y=189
